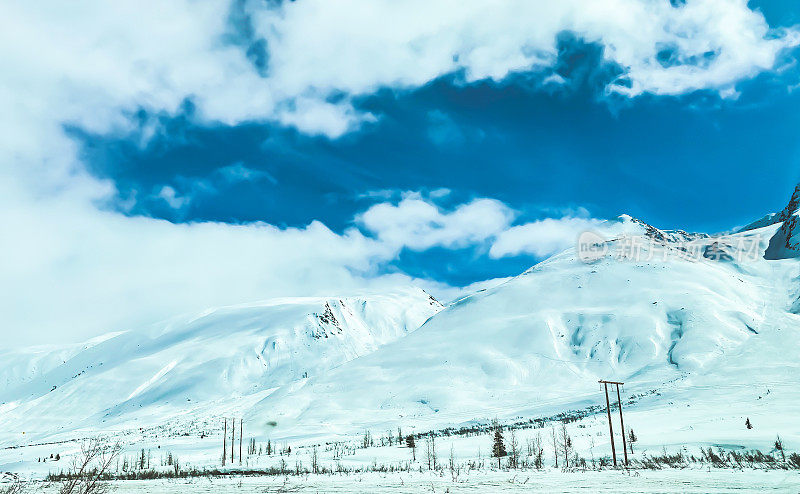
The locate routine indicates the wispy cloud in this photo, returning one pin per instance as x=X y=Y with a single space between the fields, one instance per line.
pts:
x=543 y=237
x=238 y=172
x=172 y=198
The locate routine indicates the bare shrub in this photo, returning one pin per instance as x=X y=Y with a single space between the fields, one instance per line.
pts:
x=90 y=468
x=15 y=487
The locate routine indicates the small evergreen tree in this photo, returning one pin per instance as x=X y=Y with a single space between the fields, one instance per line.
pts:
x=631 y=439
x=411 y=443
x=498 y=448
x=779 y=447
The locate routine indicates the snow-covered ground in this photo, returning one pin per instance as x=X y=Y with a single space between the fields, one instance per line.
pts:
x=663 y=481
x=701 y=328
x=181 y=375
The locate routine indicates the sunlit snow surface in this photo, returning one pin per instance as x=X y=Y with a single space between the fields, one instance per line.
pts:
x=670 y=481
x=702 y=344
x=192 y=370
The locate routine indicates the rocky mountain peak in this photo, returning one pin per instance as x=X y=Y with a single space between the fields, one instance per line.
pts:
x=785 y=243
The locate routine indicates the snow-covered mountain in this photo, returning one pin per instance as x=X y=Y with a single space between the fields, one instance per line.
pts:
x=541 y=341
x=702 y=328
x=222 y=359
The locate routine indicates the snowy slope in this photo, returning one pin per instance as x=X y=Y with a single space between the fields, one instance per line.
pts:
x=540 y=342
x=215 y=360
x=702 y=328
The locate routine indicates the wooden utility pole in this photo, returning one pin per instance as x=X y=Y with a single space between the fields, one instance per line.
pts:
x=610 y=427
x=622 y=426
x=241 y=434
x=621 y=422
x=224 y=440
x=233 y=439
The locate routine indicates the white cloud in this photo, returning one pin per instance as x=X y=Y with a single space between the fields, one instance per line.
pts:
x=88 y=63
x=94 y=63
x=357 y=47
x=543 y=237
x=317 y=117
x=439 y=193
x=420 y=224
x=71 y=270
x=171 y=197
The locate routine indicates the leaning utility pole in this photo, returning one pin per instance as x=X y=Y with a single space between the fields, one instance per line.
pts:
x=610 y=427
x=621 y=426
x=621 y=421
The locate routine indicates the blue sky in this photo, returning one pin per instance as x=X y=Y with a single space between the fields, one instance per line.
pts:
x=694 y=161
x=247 y=149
